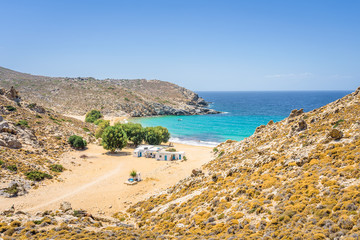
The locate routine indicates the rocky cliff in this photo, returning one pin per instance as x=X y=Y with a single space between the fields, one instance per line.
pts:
x=76 y=96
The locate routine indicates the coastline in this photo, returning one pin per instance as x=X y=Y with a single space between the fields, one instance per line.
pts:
x=178 y=140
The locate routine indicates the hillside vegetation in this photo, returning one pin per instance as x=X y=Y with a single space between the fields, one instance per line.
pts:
x=294 y=179
x=77 y=96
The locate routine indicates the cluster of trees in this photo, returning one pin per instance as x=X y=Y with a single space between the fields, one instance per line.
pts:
x=118 y=136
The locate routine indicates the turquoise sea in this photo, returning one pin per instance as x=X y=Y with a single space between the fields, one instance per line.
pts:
x=242 y=113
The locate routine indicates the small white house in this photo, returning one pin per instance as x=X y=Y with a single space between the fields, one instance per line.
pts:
x=151 y=152
x=164 y=155
x=148 y=151
x=140 y=151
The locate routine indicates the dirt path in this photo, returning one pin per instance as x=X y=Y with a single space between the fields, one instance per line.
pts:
x=96 y=183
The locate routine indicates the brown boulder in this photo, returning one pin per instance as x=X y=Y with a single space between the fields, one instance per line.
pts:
x=196 y=172
x=336 y=134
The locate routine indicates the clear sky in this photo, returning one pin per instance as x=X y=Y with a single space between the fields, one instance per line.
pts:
x=198 y=44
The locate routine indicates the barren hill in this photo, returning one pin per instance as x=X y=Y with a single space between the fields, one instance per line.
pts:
x=76 y=96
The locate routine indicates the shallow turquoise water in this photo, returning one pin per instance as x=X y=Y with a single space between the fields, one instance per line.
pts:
x=243 y=112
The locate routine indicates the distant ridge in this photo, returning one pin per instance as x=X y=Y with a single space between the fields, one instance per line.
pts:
x=114 y=97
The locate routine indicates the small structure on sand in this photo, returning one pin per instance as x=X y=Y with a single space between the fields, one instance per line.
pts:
x=140 y=150
x=164 y=155
x=134 y=179
x=148 y=151
x=158 y=152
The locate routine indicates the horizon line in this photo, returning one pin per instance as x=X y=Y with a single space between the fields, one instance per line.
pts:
x=316 y=90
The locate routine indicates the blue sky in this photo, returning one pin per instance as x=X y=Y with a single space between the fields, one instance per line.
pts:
x=198 y=44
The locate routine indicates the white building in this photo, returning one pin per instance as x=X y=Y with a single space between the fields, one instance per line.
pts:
x=151 y=152
x=140 y=151
x=164 y=155
x=157 y=152
x=148 y=151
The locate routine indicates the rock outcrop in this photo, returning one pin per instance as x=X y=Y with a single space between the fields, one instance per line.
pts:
x=295 y=113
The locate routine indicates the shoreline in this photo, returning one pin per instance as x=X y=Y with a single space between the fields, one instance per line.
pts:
x=178 y=140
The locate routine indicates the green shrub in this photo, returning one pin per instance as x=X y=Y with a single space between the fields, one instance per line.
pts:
x=215 y=150
x=12 y=168
x=10 y=108
x=37 y=176
x=22 y=123
x=171 y=150
x=92 y=116
x=337 y=123
x=133 y=173
x=77 y=142
x=56 y=168
x=1 y=163
x=32 y=105
x=97 y=122
x=126 y=99
x=86 y=129
x=114 y=138
x=13 y=189
x=38 y=116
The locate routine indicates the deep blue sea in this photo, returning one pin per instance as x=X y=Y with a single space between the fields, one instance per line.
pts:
x=242 y=113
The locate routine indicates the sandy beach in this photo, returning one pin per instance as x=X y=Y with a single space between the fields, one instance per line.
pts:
x=96 y=183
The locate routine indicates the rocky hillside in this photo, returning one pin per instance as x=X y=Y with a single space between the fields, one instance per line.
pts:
x=77 y=96
x=31 y=139
x=295 y=179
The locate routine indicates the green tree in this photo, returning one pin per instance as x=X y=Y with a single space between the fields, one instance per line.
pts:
x=92 y=116
x=134 y=132
x=114 y=138
x=101 y=127
x=164 y=133
x=153 y=136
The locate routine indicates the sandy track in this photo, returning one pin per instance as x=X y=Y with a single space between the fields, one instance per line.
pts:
x=76 y=190
x=96 y=183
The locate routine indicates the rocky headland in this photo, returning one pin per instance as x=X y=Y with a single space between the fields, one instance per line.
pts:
x=113 y=97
